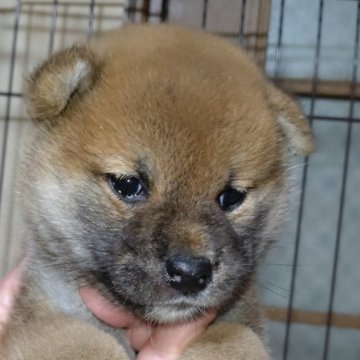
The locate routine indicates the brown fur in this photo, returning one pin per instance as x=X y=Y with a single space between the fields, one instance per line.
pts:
x=191 y=114
x=60 y=337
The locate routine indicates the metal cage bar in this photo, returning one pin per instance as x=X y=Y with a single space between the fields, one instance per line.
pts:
x=303 y=187
x=8 y=111
x=339 y=226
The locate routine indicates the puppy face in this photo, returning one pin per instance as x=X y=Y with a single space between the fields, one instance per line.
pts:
x=158 y=169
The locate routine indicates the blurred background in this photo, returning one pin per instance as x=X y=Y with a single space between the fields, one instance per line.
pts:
x=310 y=48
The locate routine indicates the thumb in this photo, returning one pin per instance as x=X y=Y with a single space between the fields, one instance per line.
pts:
x=105 y=311
x=169 y=341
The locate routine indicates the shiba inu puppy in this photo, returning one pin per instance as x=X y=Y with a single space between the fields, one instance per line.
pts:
x=158 y=174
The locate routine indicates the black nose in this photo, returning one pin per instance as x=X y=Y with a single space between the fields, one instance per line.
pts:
x=188 y=274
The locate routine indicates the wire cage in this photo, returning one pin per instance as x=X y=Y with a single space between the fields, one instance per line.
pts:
x=311 y=279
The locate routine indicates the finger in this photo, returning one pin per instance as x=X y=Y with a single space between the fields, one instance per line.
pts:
x=9 y=287
x=104 y=310
x=168 y=342
x=138 y=334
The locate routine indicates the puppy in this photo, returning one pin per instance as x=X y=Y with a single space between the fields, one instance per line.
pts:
x=158 y=174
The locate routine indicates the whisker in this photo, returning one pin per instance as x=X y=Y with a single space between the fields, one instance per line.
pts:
x=288 y=265
x=274 y=284
x=272 y=290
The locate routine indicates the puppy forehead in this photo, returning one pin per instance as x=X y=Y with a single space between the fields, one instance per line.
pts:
x=188 y=139
x=185 y=103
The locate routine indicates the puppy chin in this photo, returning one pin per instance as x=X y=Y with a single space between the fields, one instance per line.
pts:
x=172 y=313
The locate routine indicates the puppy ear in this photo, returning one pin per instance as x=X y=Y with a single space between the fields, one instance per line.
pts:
x=53 y=85
x=293 y=124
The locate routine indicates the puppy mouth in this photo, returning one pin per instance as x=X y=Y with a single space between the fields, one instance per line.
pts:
x=175 y=309
x=173 y=313
x=162 y=312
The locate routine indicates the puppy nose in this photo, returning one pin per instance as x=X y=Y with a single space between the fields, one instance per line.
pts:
x=188 y=274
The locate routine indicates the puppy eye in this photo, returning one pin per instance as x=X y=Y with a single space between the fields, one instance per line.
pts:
x=230 y=199
x=128 y=188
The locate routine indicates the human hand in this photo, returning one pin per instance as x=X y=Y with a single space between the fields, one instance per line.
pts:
x=9 y=287
x=163 y=342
